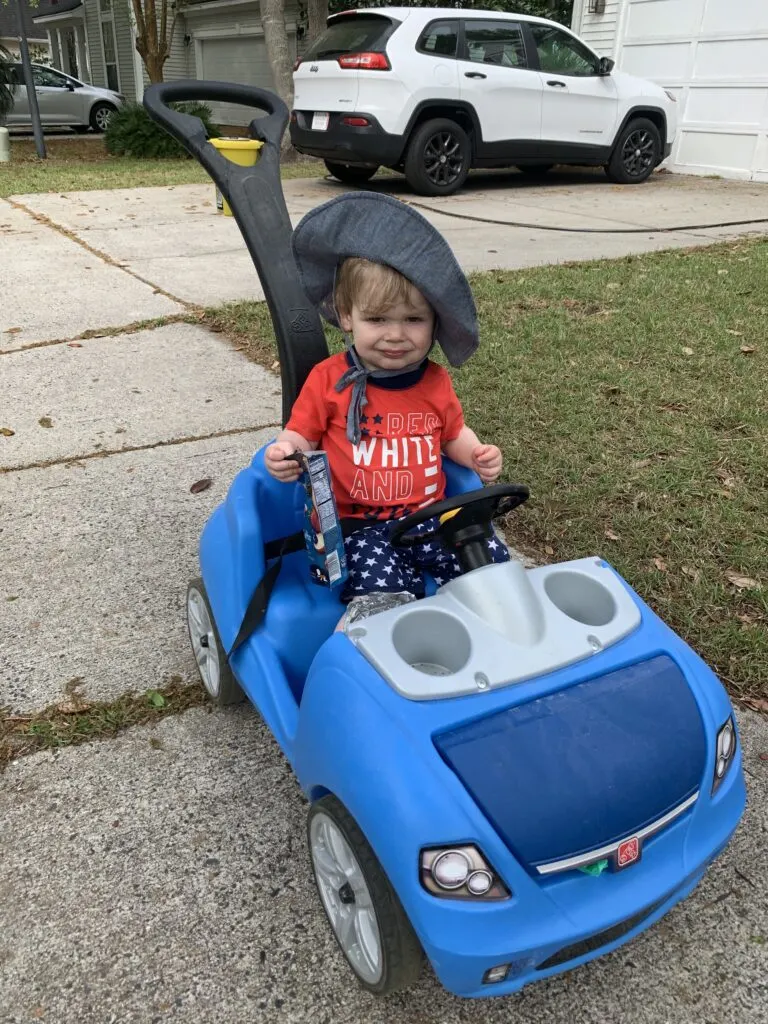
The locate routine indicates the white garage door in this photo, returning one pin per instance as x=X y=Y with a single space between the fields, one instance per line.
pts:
x=713 y=54
x=241 y=59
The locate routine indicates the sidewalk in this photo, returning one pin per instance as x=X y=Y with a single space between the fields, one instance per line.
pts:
x=163 y=875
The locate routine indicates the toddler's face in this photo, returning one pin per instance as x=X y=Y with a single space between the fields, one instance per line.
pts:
x=394 y=337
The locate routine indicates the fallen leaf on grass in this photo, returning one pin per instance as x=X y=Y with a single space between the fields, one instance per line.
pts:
x=758 y=704
x=737 y=334
x=660 y=564
x=725 y=476
x=641 y=463
x=695 y=574
x=7 y=432
x=157 y=700
x=45 y=421
x=721 y=272
x=741 y=582
x=673 y=407
x=611 y=535
x=747 y=350
x=548 y=549
x=687 y=351
x=201 y=485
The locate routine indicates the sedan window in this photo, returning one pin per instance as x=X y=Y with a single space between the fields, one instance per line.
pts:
x=47 y=77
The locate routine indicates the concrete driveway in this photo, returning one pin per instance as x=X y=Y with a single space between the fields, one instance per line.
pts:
x=163 y=875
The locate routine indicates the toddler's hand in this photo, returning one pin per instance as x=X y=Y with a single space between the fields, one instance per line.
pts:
x=279 y=464
x=486 y=462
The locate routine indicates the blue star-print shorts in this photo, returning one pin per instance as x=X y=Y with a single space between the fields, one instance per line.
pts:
x=376 y=566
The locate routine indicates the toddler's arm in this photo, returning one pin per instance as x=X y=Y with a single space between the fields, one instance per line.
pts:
x=277 y=456
x=467 y=450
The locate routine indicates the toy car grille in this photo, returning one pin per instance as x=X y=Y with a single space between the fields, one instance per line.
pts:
x=604 y=938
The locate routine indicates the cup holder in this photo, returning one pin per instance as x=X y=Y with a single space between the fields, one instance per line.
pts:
x=432 y=642
x=580 y=597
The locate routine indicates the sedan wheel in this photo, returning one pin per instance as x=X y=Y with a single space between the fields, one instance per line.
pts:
x=101 y=115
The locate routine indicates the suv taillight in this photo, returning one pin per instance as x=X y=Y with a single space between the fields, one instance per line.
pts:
x=365 y=61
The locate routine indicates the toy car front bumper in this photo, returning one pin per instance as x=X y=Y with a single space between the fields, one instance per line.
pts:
x=582 y=932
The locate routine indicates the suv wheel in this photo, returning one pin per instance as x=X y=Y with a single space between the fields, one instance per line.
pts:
x=438 y=158
x=636 y=153
x=349 y=173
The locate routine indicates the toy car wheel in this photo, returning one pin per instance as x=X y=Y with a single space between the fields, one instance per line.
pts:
x=366 y=916
x=211 y=658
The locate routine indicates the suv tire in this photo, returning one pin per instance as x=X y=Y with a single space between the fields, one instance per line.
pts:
x=439 y=157
x=349 y=173
x=636 y=154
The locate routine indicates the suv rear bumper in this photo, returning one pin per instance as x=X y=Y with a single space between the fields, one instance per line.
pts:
x=346 y=143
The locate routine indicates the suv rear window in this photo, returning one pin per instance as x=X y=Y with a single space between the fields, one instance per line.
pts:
x=440 y=39
x=354 y=33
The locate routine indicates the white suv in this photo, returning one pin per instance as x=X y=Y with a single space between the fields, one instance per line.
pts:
x=435 y=91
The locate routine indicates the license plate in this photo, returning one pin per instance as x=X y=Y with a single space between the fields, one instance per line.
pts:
x=320 y=121
x=628 y=853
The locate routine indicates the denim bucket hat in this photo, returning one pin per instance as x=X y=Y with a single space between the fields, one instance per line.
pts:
x=379 y=228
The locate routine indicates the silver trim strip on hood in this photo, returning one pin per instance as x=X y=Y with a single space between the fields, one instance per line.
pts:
x=568 y=863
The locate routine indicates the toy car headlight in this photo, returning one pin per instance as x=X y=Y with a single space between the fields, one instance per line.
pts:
x=724 y=751
x=460 y=872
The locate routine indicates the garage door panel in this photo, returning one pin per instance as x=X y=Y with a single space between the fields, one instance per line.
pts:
x=240 y=59
x=717 y=150
x=717 y=105
x=734 y=16
x=657 y=61
x=660 y=18
x=731 y=58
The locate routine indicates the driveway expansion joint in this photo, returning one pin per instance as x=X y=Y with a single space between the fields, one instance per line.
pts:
x=98 y=253
x=75 y=460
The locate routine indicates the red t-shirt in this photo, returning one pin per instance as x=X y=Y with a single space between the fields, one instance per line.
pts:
x=397 y=467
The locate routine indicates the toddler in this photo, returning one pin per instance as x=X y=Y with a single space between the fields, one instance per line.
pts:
x=383 y=411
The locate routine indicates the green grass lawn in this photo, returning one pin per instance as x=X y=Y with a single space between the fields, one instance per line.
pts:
x=77 y=163
x=632 y=397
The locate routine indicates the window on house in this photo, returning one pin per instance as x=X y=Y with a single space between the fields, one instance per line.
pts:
x=109 y=43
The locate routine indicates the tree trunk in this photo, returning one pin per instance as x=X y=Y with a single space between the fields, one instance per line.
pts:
x=317 y=12
x=154 y=62
x=278 y=54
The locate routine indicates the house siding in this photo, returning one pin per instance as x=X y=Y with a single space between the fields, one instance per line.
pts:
x=95 y=51
x=599 y=31
x=124 y=37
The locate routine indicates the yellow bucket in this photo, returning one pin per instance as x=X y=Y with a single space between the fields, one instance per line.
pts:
x=239 y=151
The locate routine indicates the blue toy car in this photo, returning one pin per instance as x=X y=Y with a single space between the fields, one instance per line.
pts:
x=513 y=775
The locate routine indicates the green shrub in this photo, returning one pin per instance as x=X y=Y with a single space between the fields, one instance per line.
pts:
x=132 y=132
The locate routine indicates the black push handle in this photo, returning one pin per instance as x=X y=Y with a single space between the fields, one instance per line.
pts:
x=255 y=195
x=189 y=130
